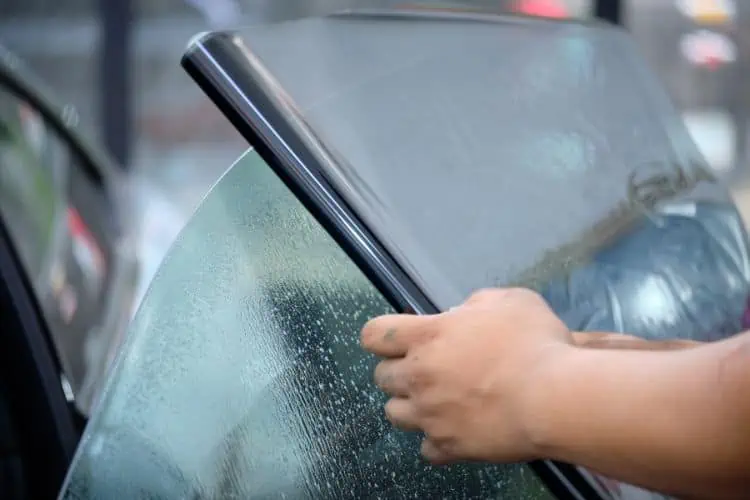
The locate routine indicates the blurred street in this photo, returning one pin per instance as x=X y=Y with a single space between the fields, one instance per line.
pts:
x=183 y=144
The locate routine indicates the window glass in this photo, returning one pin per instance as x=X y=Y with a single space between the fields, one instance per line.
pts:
x=242 y=375
x=31 y=200
x=57 y=220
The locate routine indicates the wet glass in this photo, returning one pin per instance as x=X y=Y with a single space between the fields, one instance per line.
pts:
x=242 y=375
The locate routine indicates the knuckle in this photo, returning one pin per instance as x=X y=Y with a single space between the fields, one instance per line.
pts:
x=484 y=294
x=495 y=294
x=417 y=381
x=419 y=366
x=439 y=434
x=527 y=294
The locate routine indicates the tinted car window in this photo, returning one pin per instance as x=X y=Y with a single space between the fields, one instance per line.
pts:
x=32 y=200
x=569 y=127
x=242 y=376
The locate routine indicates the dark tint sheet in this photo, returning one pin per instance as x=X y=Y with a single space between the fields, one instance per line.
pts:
x=474 y=148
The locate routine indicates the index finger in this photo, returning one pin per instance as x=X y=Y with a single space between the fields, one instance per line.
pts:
x=392 y=335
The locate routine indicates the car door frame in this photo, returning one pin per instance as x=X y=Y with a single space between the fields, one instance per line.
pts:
x=48 y=425
x=47 y=431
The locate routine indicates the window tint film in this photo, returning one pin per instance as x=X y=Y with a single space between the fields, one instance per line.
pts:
x=242 y=376
x=559 y=166
x=56 y=218
x=550 y=145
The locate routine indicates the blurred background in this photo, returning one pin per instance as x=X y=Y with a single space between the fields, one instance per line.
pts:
x=117 y=62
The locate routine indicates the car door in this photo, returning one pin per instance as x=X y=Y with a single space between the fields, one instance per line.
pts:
x=68 y=276
x=64 y=204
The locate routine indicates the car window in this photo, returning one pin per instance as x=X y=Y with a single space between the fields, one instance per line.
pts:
x=32 y=199
x=242 y=375
x=56 y=218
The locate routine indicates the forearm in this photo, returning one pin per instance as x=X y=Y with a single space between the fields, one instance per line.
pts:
x=674 y=421
x=600 y=340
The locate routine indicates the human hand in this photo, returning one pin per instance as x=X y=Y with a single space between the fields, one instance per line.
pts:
x=469 y=377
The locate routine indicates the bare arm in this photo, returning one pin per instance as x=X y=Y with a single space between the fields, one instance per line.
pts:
x=676 y=421
x=601 y=340
x=501 y=379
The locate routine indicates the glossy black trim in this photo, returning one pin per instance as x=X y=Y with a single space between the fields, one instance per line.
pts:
x=221 y=69
x=225 y=69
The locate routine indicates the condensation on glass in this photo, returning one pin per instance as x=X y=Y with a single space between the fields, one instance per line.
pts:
x=242 y=376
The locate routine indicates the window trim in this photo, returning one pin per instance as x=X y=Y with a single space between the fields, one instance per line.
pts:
x=49 y=420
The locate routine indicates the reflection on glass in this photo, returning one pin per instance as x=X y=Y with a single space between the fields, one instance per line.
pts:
x=243 y=376
x=30 y=197
x=59 y=222
x=682 y=272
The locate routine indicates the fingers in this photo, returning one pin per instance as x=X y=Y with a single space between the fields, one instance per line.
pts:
x=391 y=378
x=400 y=412
x=391 y=336
x=434 y=453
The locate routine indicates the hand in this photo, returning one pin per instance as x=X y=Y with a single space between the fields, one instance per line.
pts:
x=468 y=377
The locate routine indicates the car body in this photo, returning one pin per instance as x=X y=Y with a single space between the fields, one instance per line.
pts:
x=242 y=376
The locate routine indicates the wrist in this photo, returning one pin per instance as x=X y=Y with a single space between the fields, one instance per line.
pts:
x=542 y=399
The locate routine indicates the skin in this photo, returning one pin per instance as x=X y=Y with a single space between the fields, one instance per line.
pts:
x=501 y=379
